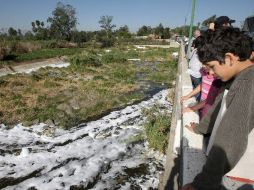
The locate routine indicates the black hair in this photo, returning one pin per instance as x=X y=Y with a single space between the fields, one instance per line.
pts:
x=226 y=40
x=198 y=42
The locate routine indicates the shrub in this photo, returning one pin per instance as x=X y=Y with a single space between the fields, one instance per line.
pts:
x=25 y=47
x=58 y=44
x=85 y=59
x=3 y=52
x=157 y=128
x=9 y=50
x=114 y=57
x=132 y=54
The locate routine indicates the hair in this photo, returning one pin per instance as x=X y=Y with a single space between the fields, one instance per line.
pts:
x=197 y=31
x=226 y=40
x=198 y=42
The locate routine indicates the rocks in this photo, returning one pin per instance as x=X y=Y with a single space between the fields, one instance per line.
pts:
x=48 y=131
x=49 y=122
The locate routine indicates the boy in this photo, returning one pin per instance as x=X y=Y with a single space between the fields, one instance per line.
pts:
x=230 y=121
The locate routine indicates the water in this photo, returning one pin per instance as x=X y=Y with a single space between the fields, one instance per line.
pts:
x=104 y=154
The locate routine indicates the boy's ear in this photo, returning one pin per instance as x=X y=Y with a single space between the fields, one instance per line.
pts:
x=231 y=59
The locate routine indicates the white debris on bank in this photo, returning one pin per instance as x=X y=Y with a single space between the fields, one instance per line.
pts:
x=37 y=67
x=99 y=154
x=175 y=55
x=28 y=68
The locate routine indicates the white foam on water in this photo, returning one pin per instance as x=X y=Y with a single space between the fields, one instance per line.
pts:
x=93 y=154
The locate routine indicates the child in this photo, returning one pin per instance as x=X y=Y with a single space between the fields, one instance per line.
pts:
x=231 y=119
x=209 y=90
x=195 y=65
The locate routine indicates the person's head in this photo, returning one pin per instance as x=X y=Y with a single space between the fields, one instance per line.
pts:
x=198 y=42
x=211 y=25
x=223 y=21
x=224 y=50
x=196 y=33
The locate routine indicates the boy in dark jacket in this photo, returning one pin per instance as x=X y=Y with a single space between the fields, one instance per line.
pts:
x=231 y=119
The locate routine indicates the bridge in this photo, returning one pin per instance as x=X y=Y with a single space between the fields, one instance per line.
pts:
x=186 y=150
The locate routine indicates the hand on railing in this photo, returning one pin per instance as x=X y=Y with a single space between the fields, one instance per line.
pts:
x=183 y=98
x=187 y=109
x=191 y=126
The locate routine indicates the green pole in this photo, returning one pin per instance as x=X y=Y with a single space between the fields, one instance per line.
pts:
x=191 y=24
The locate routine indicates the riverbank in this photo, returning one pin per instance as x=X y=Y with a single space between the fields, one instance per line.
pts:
x=111 y=152
x=28 y=67
x=68 y=96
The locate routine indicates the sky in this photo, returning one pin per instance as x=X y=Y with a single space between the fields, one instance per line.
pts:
x=133 y=13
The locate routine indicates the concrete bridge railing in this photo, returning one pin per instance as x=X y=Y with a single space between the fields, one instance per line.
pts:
x=185 y=153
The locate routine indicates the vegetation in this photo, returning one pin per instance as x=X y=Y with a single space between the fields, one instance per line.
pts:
x=62 y=22
x=59 y=31
x=105 y=24
x=164 y=33
x=41 y=54
x=97 y=81
x=157 y=128
x=183 y=30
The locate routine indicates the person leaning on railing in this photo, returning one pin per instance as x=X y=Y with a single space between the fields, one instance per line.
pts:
x=231 y=119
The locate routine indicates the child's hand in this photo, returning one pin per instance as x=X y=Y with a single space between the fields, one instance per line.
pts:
x=183 y=98
x=187 y=109
x=191 y=126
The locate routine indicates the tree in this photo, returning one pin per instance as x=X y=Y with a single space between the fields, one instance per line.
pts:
x=159 y=30
x=63 y=21
x=41 y=33
x=166 y=33
x=123 y=32
x=90 y=35
x=183 y=30
x=79 y=37
x=20 y=33
x=144 y=31
x=12 y=32
x=28 y=35
x=105 y=23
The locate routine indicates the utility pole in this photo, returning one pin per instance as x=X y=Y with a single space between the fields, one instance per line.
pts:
x=191 y=24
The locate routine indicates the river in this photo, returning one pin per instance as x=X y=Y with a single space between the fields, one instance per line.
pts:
x=102 y=154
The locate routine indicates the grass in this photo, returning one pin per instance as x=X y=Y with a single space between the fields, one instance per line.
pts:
x=157 y=128
x=70 y=95
x=41 y=54
x=47 y=53
x=165 y=72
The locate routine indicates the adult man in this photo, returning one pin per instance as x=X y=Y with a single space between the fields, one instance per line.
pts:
x=196 y=34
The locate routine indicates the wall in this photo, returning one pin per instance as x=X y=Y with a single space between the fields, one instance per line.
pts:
x=185 y=154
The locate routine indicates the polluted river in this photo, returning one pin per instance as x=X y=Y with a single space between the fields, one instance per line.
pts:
x=107 y=153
